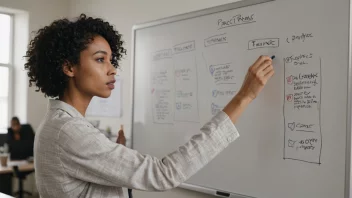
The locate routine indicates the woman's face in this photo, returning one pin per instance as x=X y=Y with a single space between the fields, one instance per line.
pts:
x=95 y=75
x=15 y=125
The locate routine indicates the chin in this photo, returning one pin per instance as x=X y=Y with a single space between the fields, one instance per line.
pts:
x=104 y=95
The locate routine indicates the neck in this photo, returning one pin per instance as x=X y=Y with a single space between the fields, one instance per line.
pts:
x=76 y=99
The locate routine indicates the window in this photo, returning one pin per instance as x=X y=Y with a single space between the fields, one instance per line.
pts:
x=5 y=70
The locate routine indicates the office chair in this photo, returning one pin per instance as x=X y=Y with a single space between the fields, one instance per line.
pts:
x=21 y=176
x=3 y=139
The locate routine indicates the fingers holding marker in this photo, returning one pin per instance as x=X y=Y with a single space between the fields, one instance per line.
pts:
x=260 y=61
x=266 y=70
x=266 y=67
x=269 y=71
x=269 y=74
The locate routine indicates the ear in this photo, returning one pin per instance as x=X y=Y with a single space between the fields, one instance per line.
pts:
x=67 y=68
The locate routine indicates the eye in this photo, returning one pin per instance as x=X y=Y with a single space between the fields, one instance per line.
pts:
x=100 y=60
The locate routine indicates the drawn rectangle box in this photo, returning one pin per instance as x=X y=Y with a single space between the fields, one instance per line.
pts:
x=263 y=43
x=184 y=47
x=214 y=40
x=162 y=54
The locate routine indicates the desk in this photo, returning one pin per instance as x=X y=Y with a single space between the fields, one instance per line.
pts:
x=6 y=174
x=4 y=196
x=22 y=166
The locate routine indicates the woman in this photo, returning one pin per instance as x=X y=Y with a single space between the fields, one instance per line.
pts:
x=13 y=133
x=18 y=132
x=74 y=61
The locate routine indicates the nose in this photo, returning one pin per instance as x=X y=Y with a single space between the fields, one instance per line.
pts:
x=113 y=70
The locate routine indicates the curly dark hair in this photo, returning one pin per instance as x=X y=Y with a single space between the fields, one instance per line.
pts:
x=61 y=43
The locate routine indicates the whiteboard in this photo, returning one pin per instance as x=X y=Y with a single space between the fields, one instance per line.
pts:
x=294 y=138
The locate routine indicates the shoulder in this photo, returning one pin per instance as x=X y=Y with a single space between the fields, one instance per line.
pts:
x=58 y=123
x=78 y=129
x=77 y=125
x=9 y=131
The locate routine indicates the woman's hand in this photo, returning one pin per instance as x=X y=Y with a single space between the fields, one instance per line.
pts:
x=257 y=77
x=121 y=139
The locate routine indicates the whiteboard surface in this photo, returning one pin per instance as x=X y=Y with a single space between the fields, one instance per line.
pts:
x=293 y=136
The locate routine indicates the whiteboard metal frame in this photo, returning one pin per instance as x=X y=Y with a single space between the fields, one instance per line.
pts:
x=348 y=176
x=231 y=6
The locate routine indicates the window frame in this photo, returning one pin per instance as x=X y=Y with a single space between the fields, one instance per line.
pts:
x=11 y=68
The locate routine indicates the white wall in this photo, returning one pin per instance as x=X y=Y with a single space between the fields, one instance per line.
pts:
x=29 y=15
x=40 y=13
x=124 y=14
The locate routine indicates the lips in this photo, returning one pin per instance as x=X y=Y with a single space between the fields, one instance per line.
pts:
x=111 y=84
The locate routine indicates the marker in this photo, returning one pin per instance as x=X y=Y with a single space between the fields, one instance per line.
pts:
x=272 y=58
x=223 y=194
